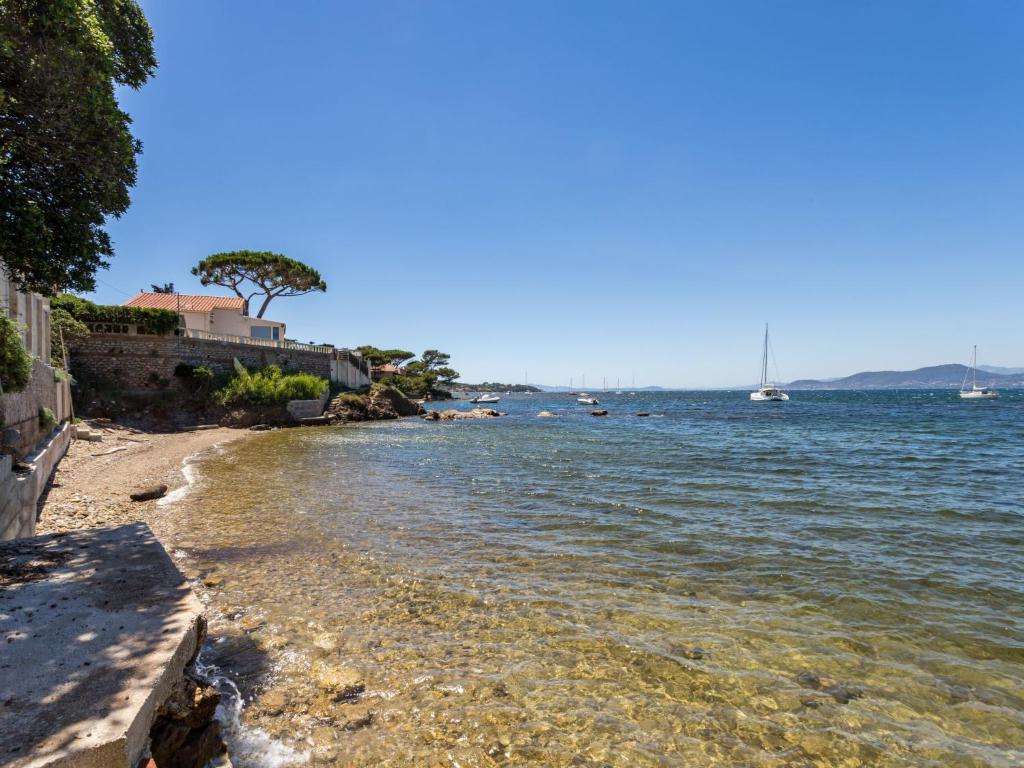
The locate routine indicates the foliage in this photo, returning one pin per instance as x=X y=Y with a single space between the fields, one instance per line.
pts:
x=47 y=419
x=376 y=356
x=65 y=331
x=15 y=361
x=198 y=379
x=165 y=288
x=270 y=387
x=67 y=157
x=422 y=376
x=148 y=320
x=495 y=386
x=272 y=275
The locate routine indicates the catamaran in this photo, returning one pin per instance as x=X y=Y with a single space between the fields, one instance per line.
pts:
x=767 y=391
x=975 y=392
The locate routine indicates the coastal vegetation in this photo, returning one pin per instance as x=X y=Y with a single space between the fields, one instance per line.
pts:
x=65 y=331
x=157 y=321
x=427 y=377
x=249 y=274
x=268 y=387
x=375 y=356
x=15 y=361
x=494 y=386
x=69 y=158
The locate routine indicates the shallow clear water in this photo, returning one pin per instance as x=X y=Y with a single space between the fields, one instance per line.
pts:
x=833 y=581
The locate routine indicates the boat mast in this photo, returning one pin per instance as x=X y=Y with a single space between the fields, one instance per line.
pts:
x=764 y=359
x=974 y=368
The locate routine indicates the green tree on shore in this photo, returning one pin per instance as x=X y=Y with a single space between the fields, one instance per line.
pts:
x=253 y=273
x=376 y=356
x=67 y=157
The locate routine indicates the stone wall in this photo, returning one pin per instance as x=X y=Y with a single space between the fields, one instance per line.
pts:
x=141 y=363
x=20 y=410
x=20 y=491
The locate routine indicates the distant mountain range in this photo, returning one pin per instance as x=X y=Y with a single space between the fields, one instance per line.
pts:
x=931 y=377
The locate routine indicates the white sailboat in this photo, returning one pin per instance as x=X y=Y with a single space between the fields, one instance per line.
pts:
x=975 y=392
x=767 y=391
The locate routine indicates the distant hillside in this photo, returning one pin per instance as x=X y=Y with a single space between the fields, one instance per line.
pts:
x=932 y=377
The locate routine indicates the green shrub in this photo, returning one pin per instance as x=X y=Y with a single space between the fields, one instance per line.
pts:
x=66 y=328
x=47 y=419
x=270 y=387
x=15 y=361
x=158 y=321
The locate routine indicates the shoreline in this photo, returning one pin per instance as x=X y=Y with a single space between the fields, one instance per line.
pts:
x=91 y=485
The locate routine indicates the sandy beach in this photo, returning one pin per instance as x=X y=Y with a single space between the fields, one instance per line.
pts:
x=91 y=485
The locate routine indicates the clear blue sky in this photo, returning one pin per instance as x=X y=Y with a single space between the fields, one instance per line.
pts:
x=600 y=188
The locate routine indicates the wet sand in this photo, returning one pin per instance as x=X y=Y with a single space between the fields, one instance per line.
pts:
x=92 y=483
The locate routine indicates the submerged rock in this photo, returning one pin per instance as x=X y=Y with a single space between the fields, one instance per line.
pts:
x=599 y=413
x=326 y=642
x=547 y=415
x=341 y=682
x=643 y=413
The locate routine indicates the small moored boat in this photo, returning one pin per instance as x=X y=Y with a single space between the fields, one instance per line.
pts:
x=975 y=392
x=767 y=392
x=489 y=397
x=585 y=399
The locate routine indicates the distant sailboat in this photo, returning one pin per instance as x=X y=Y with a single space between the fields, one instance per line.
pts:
x=975 y=392
x=767 y=392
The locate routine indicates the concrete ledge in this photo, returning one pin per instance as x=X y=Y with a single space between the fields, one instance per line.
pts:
x=20 y=491
x=308 y=409
x=96 y=627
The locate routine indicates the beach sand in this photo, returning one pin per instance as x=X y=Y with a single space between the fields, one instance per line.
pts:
x=91 y=485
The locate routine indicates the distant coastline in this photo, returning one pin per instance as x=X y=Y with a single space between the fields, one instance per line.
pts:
x=949 y=376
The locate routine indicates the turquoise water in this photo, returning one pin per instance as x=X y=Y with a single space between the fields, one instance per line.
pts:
x=833 y=581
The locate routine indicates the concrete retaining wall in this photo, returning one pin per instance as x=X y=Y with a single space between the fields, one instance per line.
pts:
x=308 y=409
x=20 y=491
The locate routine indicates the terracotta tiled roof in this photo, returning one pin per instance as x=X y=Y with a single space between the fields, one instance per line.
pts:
x=184 y=302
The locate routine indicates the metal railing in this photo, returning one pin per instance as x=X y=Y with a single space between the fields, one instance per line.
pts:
x=195 y=333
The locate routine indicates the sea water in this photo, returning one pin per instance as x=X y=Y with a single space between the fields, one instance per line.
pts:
x=833 y=581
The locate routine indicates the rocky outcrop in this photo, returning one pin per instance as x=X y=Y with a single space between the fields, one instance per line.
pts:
x=453 y=415
x=381 y=402
x=547 y=415
x=185 y=733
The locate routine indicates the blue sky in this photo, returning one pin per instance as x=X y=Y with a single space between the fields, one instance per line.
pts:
x=609 y=189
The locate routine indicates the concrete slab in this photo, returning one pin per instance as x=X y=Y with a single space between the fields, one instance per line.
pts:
x=95 y=628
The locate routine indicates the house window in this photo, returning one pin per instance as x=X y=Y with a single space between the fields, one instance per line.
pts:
x=265 y=332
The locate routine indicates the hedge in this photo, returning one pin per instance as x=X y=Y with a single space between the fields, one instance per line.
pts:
x=15 y=361
x=158 y=321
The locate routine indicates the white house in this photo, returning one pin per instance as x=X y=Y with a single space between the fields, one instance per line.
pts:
x=221 y=315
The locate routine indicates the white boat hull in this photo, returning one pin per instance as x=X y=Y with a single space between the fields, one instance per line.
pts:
x=769 y=397
x=979 y=395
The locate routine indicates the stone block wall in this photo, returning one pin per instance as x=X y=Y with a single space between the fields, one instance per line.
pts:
x=20 y=410
x=141 y=363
